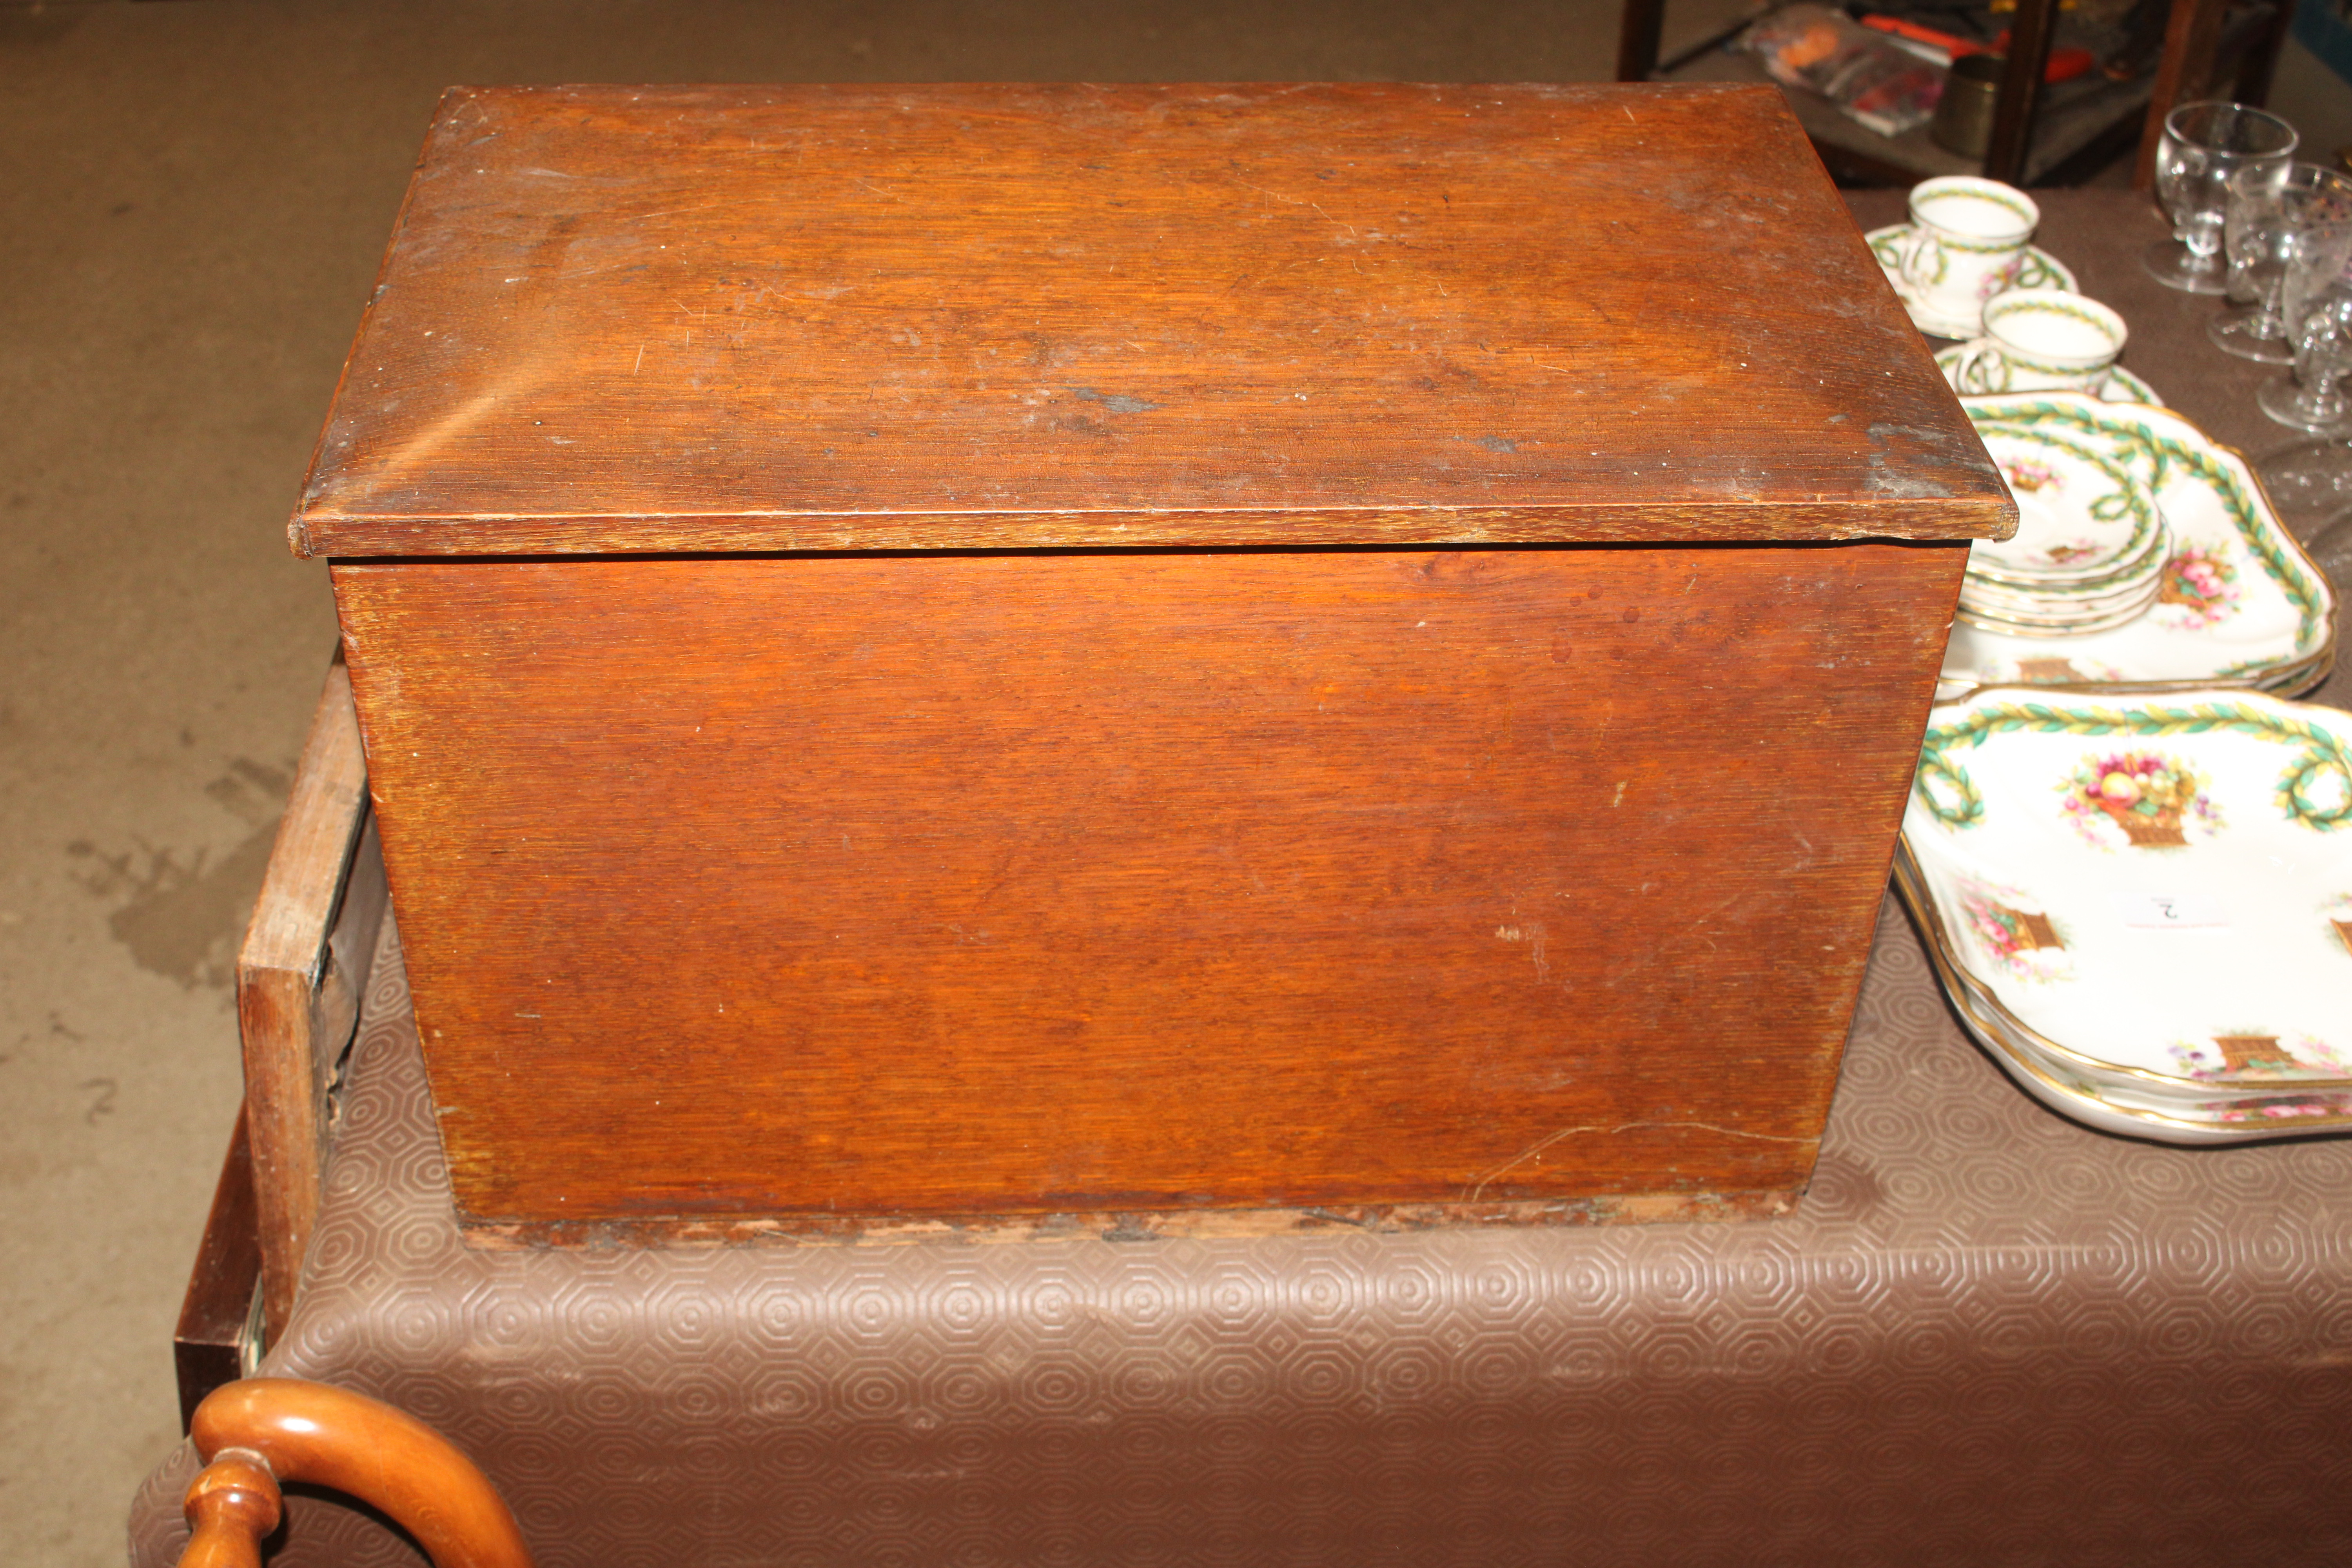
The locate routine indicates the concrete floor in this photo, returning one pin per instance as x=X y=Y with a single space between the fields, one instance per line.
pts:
x=195 y=201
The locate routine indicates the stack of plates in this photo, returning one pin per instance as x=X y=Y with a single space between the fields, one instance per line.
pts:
x=2238 y=602
x=2142 y=905
x=2090 y=546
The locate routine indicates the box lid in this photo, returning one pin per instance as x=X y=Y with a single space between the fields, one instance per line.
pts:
x=954 y=317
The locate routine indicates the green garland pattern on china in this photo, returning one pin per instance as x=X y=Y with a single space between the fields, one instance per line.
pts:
x=2326 y=755
x=2033 y=271
x=2128 y=499
x=2163 y=453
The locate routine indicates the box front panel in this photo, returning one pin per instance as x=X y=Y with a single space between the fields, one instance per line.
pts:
x=1011 y=884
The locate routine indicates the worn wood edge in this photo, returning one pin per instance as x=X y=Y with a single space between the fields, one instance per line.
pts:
x=324 y=813
x=349 y=958
x=1890 y=836
x=1149 y=1224
x=215 y=1313
x=450 y=98
x=287 y=1010
x=859 y=91
x=273 y=1013
x=1734 y=520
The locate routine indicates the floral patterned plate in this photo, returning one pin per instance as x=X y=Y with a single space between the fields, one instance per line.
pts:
x=2082 y=513
x=2153 y=893
x=1959 y=932
x=2110 y=1102
x=2035 y=268
x=2240 y=603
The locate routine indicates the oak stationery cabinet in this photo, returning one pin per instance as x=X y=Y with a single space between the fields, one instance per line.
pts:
x=1247 y=657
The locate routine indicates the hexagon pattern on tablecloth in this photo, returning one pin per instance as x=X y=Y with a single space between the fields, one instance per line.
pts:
x=1987 y=1336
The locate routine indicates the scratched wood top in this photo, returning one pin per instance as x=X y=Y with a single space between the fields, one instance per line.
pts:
x=810 y=318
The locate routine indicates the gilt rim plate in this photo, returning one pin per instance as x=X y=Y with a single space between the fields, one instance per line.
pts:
x=2159 y=887
x=2066 y=1092
x=2244 y=606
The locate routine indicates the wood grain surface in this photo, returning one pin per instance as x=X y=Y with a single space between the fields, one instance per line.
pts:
x=263 y=1431
x=232 y=1506
x=810 y=318
x=215 y=1326
x=1019 y=883
x=300 y=973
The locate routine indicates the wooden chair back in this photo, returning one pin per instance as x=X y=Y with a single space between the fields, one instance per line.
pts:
x=256 y=1434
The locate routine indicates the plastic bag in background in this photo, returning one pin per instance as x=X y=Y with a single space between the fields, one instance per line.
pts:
x=1871 y=80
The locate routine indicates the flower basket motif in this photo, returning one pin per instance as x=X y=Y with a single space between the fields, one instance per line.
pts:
x=2047 y=671
x=2253 y=1056
x=2202 y=583
x=2152 y=798
x=2032 y=478
x=2026 y=942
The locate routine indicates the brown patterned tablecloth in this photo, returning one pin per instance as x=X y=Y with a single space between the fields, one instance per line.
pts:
x=1987 y=1336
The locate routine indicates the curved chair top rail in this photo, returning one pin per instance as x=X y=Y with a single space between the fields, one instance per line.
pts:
x=259 y=1433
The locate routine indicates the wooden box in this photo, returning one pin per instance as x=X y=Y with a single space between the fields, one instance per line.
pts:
x=947 y=654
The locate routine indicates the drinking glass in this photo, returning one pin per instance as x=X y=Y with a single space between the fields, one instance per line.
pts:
x=2317 y=299
x=2310 y=482
x=2268 y=206
x=2202 y=146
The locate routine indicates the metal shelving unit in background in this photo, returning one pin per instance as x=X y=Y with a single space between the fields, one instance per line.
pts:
x=2042 y=134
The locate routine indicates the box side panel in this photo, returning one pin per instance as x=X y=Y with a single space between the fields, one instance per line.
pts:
x=1022 y=884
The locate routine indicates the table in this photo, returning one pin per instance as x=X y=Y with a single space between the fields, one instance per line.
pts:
x=1987 y=1336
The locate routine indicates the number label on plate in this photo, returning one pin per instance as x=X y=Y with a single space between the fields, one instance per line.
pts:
x=2169 y=912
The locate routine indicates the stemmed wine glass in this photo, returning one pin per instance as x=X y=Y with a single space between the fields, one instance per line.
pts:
x=2311 y=481
x=2317 y=299
x=2269 y=205
x=2202 y=146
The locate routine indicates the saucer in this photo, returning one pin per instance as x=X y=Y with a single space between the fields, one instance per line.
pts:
x=2034 y=268
x=2121 y=385
x=2082 y=514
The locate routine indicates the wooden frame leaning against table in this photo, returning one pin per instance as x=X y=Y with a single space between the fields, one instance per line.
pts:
x=301 y=976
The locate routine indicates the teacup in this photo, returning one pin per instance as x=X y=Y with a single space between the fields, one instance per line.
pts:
x=1966 y=237
x=2042 y=340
